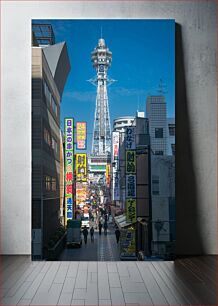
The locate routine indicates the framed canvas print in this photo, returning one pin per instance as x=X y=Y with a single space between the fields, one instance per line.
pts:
x=103 y=139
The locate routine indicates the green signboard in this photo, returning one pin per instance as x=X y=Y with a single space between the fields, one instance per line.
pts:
x=69 y=167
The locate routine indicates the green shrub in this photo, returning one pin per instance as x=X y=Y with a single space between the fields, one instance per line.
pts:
x=55 y=237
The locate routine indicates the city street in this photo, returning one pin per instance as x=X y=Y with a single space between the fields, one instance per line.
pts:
x=104 y=248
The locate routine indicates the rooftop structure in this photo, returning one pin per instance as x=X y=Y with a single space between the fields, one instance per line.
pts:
x=43 y=34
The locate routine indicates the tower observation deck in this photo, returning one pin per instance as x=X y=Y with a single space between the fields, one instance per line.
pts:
x=101 y=141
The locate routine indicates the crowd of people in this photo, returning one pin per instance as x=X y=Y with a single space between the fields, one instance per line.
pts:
x=100 y=224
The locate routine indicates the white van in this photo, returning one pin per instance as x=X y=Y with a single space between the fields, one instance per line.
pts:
x=85 y=221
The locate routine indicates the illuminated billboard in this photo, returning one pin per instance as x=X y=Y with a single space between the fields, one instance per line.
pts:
x=81 y=167
x=81 y=193
x=69 y=167
x=81 y=135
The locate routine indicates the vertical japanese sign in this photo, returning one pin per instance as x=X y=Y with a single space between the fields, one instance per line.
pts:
x=81 y=167
x=130 y=175
x=115 y=143
x=115 y=169
x=130 y=138
x=108 y=175
x=131 y=210
x=69 y=167
x=81 y=135
x=116 y=186
x=130 y=186
x=130 y=162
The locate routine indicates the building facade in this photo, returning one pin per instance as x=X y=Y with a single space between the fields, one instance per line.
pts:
x=157 y=116
x=163 y=205
x=50 y=68
x=171 y=133
x=120 y=123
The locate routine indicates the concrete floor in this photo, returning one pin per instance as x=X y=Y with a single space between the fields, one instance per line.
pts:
x=188 y=281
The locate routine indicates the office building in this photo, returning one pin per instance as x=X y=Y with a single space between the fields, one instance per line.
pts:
x=119 y=125
x=156 y=114
x=50 y=68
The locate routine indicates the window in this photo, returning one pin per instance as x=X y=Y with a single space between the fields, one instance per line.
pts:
x=173 y=147
x=54 y=145
x=47 y=92
x=47 y=183
x=54 y=105
x=158 y=132
x=158 y=152
x=47 y=137
x=53 y=184
x=155 y=185
x=171 y=129
x=49 y=98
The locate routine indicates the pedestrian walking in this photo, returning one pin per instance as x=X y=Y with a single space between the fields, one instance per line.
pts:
x=92 y=233
x=85 y=234
x=117 y=233
x=105 y=228
x=99 y=227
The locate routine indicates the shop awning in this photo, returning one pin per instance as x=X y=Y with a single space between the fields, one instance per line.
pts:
x=121 y=221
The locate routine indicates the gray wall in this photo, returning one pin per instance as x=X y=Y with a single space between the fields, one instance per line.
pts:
x=196 y=113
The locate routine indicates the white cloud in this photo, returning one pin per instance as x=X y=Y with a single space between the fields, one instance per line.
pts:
x=81 y=96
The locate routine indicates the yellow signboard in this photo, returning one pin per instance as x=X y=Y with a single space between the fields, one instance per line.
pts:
x=108 y=175
x=130 y=161
x=81 y=167
x=131 y=210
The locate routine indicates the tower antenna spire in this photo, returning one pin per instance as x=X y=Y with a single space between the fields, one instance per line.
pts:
x=101 y=33
x=101 y=60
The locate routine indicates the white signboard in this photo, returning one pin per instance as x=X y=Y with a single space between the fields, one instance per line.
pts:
x=131 y=186
x=116 y=186
x=115 y=145
x=130 y=138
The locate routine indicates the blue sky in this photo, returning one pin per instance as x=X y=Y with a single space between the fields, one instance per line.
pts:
x=143 y=53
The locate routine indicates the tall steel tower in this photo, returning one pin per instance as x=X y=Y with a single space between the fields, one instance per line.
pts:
x=101 y=59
